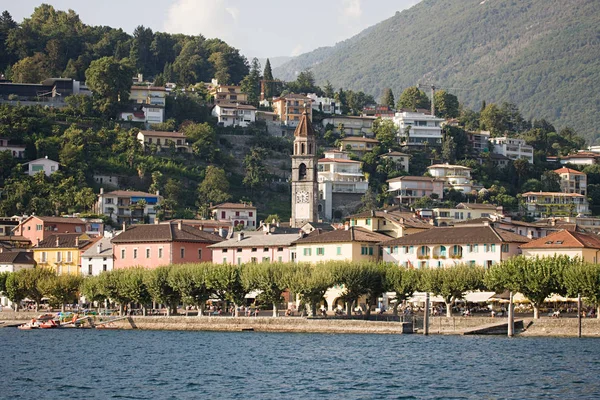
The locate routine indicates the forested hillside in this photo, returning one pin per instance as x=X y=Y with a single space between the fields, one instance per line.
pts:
x=543 y=55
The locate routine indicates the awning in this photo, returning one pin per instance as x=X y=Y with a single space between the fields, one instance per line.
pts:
x=478 y=297
x=419 y=297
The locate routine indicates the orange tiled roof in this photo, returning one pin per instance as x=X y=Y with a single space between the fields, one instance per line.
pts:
x=563 y=240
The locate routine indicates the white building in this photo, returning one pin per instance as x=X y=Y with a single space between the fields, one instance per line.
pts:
x=107 y=180
x=13 y=261
x=456 y=177
x=98 y=258
x=147 y=105
x=234 y=114
x=326 y=105
x=127 y=206
x=17 y=151
x=242 y=214
x=164 y=140
x=407 y=189
x=338 y=174
x=42 y=164
x=582 y=157
x=512 y=148
x=424 y=128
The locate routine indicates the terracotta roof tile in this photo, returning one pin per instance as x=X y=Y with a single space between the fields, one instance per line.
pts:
x=233 y=206
x=459 y=235
x=353 y=234
x=565 y=170
x=304 y=127
x=565 y=239
x=164 y=233
x=17 y=257
x=65 y=240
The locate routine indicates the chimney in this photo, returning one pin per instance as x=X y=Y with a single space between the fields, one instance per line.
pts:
x=77 y=241
x=38 y=241
x=99 y=248
x=221 y=232
x=179 y=225
x=158 y=193
x=124 y=227
x=57 y=241
x=101 y=190
x=352 y=234
x=346 y=226
x=1 y=249
x=240 y=236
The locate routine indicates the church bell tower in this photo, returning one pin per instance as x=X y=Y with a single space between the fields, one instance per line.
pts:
x=304 y=174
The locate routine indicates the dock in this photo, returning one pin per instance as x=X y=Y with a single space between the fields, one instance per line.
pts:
x=499 y=328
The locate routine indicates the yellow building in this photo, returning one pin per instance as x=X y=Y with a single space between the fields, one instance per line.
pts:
x=393 y=224
x=569 y=243
x=352 y=244
x=61 y=252
x=289 y=108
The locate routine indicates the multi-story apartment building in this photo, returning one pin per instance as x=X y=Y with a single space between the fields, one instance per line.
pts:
x=290 y=107
x=479 y=141
x=549 y=204
x=407 y=189
x=227 y=94
x=325 y=105
x=61 y=253
x=465 y=212
x=234 y=114
x=253 y=248
x=512 y=148
x=401 y=160
x=348 y=125
x=574 y=244
x=147 y=105
x=242 y=214
x=423 y=128
x=456 y=177
x=97 y=258
x=37 y=228
x=357 y=144
x=338 y=176
x=446 y=246
x=164 y=140
x=572 y=181
x=127 y=206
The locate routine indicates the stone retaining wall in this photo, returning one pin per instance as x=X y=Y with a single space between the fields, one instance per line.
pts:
x=590 y=327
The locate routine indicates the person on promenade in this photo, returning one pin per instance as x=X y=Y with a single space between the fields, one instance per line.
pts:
x=288 y=312
x=248 y=312
x=256 y=312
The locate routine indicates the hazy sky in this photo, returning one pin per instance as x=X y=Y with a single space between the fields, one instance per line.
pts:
x=259 y=28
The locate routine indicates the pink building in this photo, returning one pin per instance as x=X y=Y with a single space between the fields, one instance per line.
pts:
x=37 y=228
x=151 y=246
x=445 y=246
x=254 y=248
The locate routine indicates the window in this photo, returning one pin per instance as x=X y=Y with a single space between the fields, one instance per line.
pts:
x=266 y=259
x=69 y=256
x=90 y=269
x=199 y=254
x=505 y=248
x=44 y=257
x=59 y=256
x=39 y=227
x=237 y=213
x=122 y=254
x=307 y=252
x=320 y=251
x=239 y=261
x=280 y=259
x=493 y=248
x=147 y=253
x=135 y=253
x=254 y=249
x=368 y=221
x=486 y=248
x=182 y=252
x=411 y=250
x=239 y=250
x=224 y=260
x=253 y=260
x=250 y=213
x=370 y=251
x=366 y=250
x=104 y=268
x=338 y=250
x=224 y=251
x=265 y=249
x=160 y=251
x=280 y=249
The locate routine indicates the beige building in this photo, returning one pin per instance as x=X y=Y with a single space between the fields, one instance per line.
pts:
x=401 y=160
x=394 y=224
x=227 y=94
x=569 y=243
x=163 y=140
x=290 y=107
x=572 y=181
x=358 y=145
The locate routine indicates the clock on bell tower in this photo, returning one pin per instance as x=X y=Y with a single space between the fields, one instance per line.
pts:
x=304 y=174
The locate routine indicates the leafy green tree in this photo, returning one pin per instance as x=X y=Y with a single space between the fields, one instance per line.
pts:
x=550 y=181
x=3 y=277
x=387 y=98
x=269 y=278
x=304 y=83
x=256 y=172
x=110 y=81
x=272 y=218
x=583 y=279
x=536 y=278
x=413 y=98
x=32 y=281
x=451 y=283
x=251 y=83
x=91 y=289
x=61 y=289
x=133 y=285
x=446 y=104
x=192 y=282
x=214 y=188
x=449 y=150
x=30 y=69
x=7 y=24
x=403 y=282
x=15 y=290
x=309 y=282
x=161 y=289
x=110 y=285
x=385 y=131
x=355 y=278
x=227 y=282
x=203 y=138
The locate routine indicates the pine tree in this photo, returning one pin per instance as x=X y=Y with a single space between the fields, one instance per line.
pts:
x=268 y=78
x=387 y=99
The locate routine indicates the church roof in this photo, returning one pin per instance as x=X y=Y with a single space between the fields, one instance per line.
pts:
x=305 y=127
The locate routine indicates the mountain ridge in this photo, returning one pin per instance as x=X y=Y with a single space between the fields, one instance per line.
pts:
x=540 y=54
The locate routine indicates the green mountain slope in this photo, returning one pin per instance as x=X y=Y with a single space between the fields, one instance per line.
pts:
x=543 y=55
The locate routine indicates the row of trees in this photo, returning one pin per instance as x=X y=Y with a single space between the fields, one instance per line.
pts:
x=195 y=284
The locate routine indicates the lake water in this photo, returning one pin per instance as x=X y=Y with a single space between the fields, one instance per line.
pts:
x=90 y=364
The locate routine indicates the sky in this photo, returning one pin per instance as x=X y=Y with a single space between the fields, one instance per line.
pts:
x=259 y=28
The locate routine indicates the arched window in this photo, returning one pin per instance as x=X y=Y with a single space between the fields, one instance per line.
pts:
x=320 y=208
x=302 y=171
x=296 y=148
x=303 y=147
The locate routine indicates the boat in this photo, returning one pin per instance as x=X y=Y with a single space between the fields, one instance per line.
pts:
x=28 y=326
x=49 y=324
